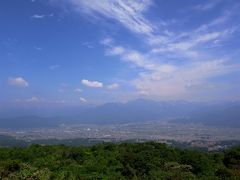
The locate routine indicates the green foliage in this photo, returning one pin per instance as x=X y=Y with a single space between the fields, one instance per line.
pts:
x=111 y=161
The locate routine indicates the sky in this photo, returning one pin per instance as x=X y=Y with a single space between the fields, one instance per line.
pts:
x=57 y=52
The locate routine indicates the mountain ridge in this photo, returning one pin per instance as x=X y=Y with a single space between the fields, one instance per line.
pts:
x=139 y=110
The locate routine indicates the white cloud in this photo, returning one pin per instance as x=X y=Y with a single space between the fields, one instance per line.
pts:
x=192 y=45
x=166 y=68
x=93 y=84
x=53 y=67
x=38 y=48
x=207 y=6
x=177 y=84
x=42 y=16
x=107 y=41
x=77 y=90
x=176 y=63
x=129 y=13
x=38 y=16
x=134 y=57
x=208 y=37
x=88 y=45
x=140 y=60
x=168 y=81
x=215 y=22
x=18 y=81
x=118 y=50
x=34 y=99
x=82 y=99
x=113 y=86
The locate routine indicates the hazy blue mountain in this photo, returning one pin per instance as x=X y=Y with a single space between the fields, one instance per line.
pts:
x=42 y=111
x=140 y=110
x=29 y=122
x=220 y=116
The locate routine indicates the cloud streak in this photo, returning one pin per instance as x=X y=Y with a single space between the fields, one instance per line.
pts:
x=206 y=6
x=78 y=90
x=54 y=67
x=18 y=81
x=41 y=16
x=184 y=82
x=113 y=86
x=175 y=63
x=34 y=99
x=92 y=84
x=128 y=13
x=83 y=100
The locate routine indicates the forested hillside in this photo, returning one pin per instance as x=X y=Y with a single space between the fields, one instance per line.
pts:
x=123 y=161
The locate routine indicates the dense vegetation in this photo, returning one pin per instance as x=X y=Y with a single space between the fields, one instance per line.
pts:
x=117 y=161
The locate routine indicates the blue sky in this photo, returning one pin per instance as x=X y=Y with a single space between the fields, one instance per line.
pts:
x=78 y=52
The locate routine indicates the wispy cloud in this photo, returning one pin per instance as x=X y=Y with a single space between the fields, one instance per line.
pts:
x=38 y=16
x=173 y=81
x=184 y=82
x=17 y=81
x=207 y=6
x=88 y=45
x=41 y=16
x=38 y=48
x=113 y=86
x=34 y=99
x=177 y=62
x=93 y=84
x=127 y=12
x=54 y=67
x=78 y=90
x=83 y=100
x=187 y=47
x=137 y=58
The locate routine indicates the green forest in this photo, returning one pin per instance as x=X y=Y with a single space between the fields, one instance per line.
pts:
x=148 y=161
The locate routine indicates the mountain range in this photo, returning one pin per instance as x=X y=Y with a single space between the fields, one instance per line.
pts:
x=136 y=111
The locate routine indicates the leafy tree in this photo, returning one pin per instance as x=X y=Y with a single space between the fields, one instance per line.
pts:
x=117 y=161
